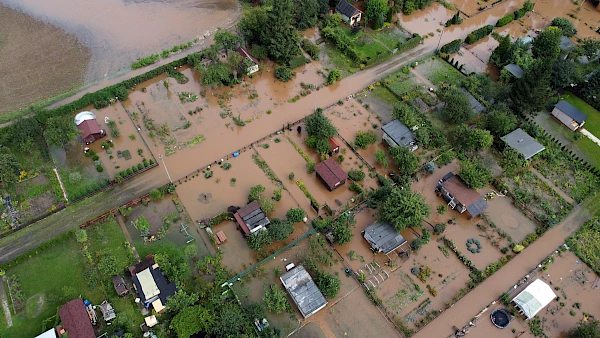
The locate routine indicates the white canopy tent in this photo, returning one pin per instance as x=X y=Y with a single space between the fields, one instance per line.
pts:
x=534 y=298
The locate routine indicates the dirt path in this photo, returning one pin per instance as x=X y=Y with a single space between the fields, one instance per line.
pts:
x=121 y=222
x=555 y=188
x=5 y=306
x=462 y=312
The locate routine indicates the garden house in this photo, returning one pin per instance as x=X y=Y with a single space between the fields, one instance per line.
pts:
x=523 y=143
x=75 y=320
x=534 y=298
x=568 y=115
x=396 y=134
x=151 y=284
x=334 y=146
x=251 y=218
x=349 y=13
x=254 y=67
x=119 y=285
x=303 y=290
x=331 y=174
x=87 y=124
x=108 y=313
x=383 y=237
x=460 y=197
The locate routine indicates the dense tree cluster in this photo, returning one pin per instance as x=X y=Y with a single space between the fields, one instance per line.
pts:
x=403 y=208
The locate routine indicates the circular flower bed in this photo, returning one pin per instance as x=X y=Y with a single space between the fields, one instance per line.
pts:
x=473 y=245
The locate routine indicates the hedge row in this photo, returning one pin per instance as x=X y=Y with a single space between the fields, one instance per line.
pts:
x=505 y=20
x=102 y=97
x=410 y=43
x=479 y=34
x=451 y=47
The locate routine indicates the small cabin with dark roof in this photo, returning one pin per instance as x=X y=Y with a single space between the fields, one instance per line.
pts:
x=383 y=237
x=251 y=218
x=396 y=134
x=460 y=197
x=568 y=115
x=349 y=13
x=331 y=174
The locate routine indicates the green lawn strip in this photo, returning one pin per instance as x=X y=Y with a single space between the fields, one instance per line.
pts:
x=586 y=243
x=592 y=124
x=384 y=94
x=341 y=61
x=107 y=238
x=591 y=151
x=389 y=38
x=86 y=185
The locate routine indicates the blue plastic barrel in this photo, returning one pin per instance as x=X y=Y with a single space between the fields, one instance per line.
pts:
x=236 y=154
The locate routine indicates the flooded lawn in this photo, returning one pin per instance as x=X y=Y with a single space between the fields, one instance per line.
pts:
x=205 y=198
x=588 y=18
x=237 y=256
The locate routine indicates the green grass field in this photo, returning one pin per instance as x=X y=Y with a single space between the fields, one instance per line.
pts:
x=57 y=275
x=590 y=149
x=438 y=71
x=592 y=124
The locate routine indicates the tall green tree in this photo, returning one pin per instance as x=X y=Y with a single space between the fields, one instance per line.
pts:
x=306 y=12
x=531 y=92
x=280 y=36
x=227 y=39
x=503 y=54
x=9 y=166
x=406 y=160
x=23 y=134
x=280 y=229
x=475 y=173
x=591 y=88
x=60 y=131
x=591 y=47
x=565 y=73
x=512 y=160
x=192 y=320
x=253 y=22
x=547 y=44
x=327 y=283
x=181 y=300
x=500 y=121
x=275 y=299
x=319 y=125
x=376 y=11
x=565 y=25
x=458 y=107
x=404 y=208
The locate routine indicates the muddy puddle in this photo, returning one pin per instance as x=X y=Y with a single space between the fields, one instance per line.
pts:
x=136 y=29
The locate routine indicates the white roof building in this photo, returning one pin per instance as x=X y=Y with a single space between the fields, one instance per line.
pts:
x=48 y=334
x=534 y=298
x=148 y=284
x=84 y=116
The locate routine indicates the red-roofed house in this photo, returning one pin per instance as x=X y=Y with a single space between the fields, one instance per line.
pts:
x=334 y=146
x=331 y=174
x=252 y=69
x=251 y=218
x=460 y=197
x=75 y=320
x=90 y=130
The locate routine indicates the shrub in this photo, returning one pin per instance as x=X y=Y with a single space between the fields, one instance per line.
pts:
x=140 y=166
x=277 y=194
x=155 y=195
x=505 y=20
x=135 y=169
x=310 y=48
x=365 y=138
x=356 y=175
x=298 y=61
x=99 y=168
x=295 y=215
x=151 y=162
x=284 y=74
x=566 y=26
x=226 y=166
x=95 y=158
x=334 y=75
x=439 y=228
x=291 y=176
x=479 y=34
x=451 y=47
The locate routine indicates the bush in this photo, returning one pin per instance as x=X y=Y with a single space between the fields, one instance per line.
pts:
x=295 y=215
x=298 y=61
x=566 y=26
x=334 y=75
x=151 y=161
x=451 y=47
x=356 y=175
x=135 y=169
x=95 y=158
x=291 y=176
x=310 y=48
x=156 y=195
x=140 y=166
x=479 y=34
x=505 y=20
x=439 y=228
x=284 y=74
x=365 y=138
x=99 y=168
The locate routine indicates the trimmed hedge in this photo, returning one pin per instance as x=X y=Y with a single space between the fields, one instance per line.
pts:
x=451 y=47
x=505 y=20
x=479 y=34
x=410 y=43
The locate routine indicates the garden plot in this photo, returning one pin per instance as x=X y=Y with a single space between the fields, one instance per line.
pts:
x=37 y=196
x=402 y=82
x=438 y=71
x=43 y=290
x=505 y=216
x=481 y=247
x=127 y=150
x=537 y=196
x=205 y=198
x=164 y=220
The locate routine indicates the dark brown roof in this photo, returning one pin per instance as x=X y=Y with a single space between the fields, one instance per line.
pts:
x=463 y=194
x=141 y=266
x=250 y=217
x=75 y=320
x=88 y=128
x=331 y=173
x=119 y=284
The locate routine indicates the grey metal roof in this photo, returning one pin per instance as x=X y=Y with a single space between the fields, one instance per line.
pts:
x=477 y=207
x=566 y=44
x=574 y=113
x=524 y=143
x=254 y=216
x=398 y=132
x=347 y=9
x=515 y=70
x=303 y=290
x=383 y=237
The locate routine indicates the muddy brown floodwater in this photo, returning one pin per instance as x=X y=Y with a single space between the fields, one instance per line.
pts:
x=94 y=39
